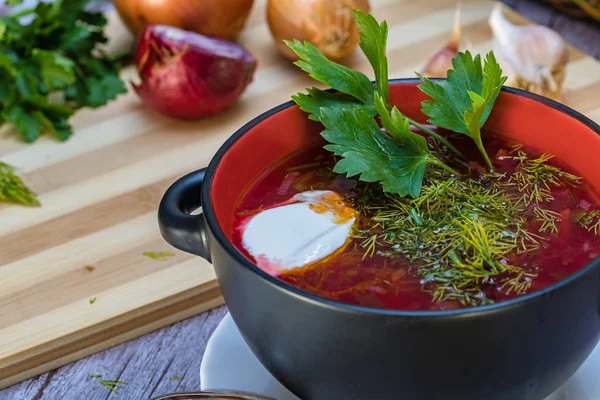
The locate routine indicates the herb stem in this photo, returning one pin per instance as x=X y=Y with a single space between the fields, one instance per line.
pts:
x=437 y=136
x=443 y=165
x=484 y=154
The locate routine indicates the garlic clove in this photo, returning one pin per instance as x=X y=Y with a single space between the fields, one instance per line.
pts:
x=533 y=56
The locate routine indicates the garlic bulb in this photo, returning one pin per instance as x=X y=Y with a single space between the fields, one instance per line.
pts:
x=534 y=57
x=441 y=62
x=327 y=24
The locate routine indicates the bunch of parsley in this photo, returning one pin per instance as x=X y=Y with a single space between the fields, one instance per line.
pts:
x=51 y=66
x=396 y=158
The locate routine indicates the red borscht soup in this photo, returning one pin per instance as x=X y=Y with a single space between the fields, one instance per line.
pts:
x=465 y=241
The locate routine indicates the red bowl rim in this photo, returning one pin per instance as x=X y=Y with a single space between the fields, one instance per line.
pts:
x=215 y=228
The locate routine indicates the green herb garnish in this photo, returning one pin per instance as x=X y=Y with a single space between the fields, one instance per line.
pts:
x=460 y=233
x=159 y=255
x=52 y=66
x=548 y=218
x=397 y=162
x=464 y=101
x=535 y=178
x=12 y=188
x=175 y=378
x=92 y=300
x=109 y=384
x=590 y=220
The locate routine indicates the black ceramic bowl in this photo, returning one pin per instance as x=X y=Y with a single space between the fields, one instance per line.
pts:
x=522 y=349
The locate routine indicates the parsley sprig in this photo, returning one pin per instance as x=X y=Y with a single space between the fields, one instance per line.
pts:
x=52 y=66
x=396 y=157
x=464 y=101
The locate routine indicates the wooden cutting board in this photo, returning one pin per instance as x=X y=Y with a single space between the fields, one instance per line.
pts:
x=100 y=191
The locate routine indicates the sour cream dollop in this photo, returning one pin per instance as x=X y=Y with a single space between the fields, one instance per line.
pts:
x=307 y=228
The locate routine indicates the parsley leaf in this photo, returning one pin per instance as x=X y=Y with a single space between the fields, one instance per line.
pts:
x=339 y=77
x=55 y=70
x=55 y=56
x=463 y=102
x=370 y=153
x=373 y=42
x=316 y=99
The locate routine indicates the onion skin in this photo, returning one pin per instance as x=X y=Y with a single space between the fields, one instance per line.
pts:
x=188 y=76
x=327 y=24
x=219 y=18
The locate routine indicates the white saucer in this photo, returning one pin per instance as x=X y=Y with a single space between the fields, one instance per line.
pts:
x=229 y=364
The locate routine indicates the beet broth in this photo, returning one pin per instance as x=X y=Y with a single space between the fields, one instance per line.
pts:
x=388 y=282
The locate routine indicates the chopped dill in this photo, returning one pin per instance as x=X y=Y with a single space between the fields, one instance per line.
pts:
x=463 y=232
x=548 y=218
x=369 y=244
x=534 y=178
x=112 y=385
x=159 y=255
x=176 y=378
x=92 y=300
x=590 y=220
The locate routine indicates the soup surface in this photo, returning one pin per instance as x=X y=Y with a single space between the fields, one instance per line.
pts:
x=399 y=255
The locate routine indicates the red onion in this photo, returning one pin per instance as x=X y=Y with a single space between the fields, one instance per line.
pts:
x=186 y=75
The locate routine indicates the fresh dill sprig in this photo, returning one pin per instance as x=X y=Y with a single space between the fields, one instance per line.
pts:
x=535 y=178
x=590 y=220
x=548 y=218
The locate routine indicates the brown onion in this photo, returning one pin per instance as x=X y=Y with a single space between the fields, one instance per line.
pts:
x=220 y=18
x=186 y=75
x=328 y=24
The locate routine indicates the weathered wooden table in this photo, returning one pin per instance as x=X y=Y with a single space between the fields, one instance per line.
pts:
x=168 y=360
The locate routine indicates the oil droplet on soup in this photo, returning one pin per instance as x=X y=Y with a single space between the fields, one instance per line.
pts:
x=283 y=212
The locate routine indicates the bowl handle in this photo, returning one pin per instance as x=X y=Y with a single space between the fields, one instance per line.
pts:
x=177 y=226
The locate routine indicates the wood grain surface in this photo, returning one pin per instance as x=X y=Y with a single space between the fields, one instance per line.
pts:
x=100 y=191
